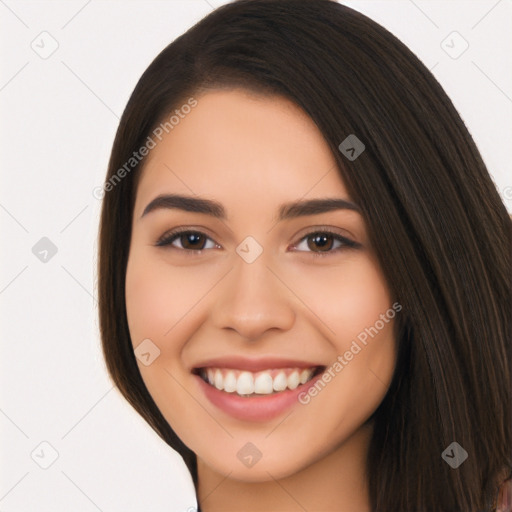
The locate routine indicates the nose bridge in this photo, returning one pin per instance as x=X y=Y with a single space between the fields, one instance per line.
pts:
x=252 y=299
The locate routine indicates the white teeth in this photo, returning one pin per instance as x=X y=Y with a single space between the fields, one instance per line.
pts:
x=263 y=384
x=230 y=382
x=219 y=381
x=245 y=384
x=280 y=382
x=293 y=380
x=305 y=375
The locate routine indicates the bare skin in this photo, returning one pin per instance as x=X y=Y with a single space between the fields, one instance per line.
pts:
x=298 y=300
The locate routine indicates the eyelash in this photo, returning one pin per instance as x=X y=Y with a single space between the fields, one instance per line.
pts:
x=168 y=238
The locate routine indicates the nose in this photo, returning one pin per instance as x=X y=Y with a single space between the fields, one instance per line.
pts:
x=254 y=300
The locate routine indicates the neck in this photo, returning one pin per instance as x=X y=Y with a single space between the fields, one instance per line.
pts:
x=335 y=482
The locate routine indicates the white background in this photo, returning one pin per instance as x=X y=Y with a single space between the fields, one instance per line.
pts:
x=58 y=120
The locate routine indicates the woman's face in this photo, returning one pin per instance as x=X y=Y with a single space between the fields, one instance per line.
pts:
x=265 y=342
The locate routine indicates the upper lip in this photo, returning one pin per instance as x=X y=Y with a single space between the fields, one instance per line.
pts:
x=254 y=364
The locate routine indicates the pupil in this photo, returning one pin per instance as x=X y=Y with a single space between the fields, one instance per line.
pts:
x=192 y=239
x=322 y=241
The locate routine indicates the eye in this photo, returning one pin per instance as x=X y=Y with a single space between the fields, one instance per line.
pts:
x=188 y=239
x=321 y=242
x=324 y=242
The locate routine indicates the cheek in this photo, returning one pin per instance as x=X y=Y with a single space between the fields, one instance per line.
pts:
x=347 y=298
x=148 y=300
x=158 y=307
x=362 y=304
x=158 y=297
x=364 y=323
x=356 y=304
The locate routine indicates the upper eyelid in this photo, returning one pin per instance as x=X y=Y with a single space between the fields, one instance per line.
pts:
x=175 y=233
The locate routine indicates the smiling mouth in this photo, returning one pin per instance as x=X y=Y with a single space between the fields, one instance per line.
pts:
x=249 y=384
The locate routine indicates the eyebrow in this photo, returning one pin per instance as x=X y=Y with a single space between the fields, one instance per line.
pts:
x=290 y=210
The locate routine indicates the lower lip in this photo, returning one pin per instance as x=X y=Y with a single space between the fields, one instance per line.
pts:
x=256 y=407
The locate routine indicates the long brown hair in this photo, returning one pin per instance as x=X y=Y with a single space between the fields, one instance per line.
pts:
x=440 y=230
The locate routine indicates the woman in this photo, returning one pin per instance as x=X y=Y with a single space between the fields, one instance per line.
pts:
x=304 y=269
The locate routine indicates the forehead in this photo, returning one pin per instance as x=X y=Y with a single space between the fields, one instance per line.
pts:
x=234 y=143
